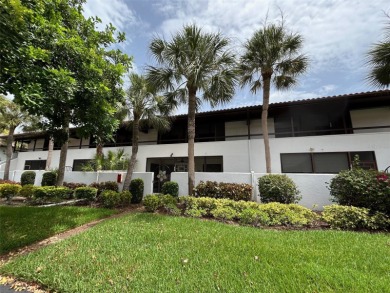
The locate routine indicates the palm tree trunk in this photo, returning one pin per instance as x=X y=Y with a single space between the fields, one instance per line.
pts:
x=191 y=140
x=49 y=154
x=63 y=154
x=99 y=149
x=10 y=139
x=264 y=121
x=134 y=151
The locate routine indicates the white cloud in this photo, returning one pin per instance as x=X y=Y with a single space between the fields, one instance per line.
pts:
x=337 y=33
x=114 y=11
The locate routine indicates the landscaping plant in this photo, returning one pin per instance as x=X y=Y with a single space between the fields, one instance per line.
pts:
x=8 y=190
x=88 y=193
x=362 y=188
x=278 y=188
x=27 y=178
x=137 y=190
x=170 y=187
x=49 y=178
x=234 y=191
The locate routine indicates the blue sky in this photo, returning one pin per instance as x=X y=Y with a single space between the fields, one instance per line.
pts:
x=337 y=35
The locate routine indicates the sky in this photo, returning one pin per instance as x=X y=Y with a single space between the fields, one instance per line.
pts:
x=337 y=36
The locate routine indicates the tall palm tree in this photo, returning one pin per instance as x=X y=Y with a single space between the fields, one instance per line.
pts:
x=193 y=63
x=144 y=106
x=379 y=60
x=11 y=116
x=271 y=56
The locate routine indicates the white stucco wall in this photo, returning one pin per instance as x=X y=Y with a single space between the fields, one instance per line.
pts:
x=313 y=187
x=371 y=118
x=240 y=155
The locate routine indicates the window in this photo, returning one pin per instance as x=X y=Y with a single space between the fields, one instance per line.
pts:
x=325 y=163
x=34 y=165
x=79 y=164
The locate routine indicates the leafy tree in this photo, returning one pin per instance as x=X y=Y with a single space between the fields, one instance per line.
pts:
x=145 y=106
x=70 y=74
x=194 y=66
x=271 y=56
x=379 y=61
x=11 y=117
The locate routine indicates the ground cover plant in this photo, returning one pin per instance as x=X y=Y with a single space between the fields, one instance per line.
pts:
x=20 y=226
x=157 y=253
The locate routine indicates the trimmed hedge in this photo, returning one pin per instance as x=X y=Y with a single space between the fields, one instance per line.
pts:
x=112 y=199
x=52 y=193
x=170 y=187
x=88 y=193
x=278 y=188
x=27 y=191
x=73 y=186
x=234 y=191
x=107 y=185
x=354 y=218
x=167 y=202
x=137 y=190
x=49 y=178
x=27 y=178
x=251 y=213
x=8 y=190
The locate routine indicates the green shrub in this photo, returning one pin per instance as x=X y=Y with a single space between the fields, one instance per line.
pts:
x=362 y=188
x=224 y=213
x=8 y=190
x=151 y=202
x=27 y=191
x=170 y=187
x=73 y=186
x=137 y=190
x=234 y=191
x=52 y=193
x=254 y=217
x=114 y=199
x=110 y=198
x=28 y=178
x=125 y=198
x=49 y=178
x=354 y=218
x=278 y=188
x=88 y=193
x=288 y=214
x=107 y=185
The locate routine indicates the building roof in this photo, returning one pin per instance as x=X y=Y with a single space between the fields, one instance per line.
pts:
x=366 y=97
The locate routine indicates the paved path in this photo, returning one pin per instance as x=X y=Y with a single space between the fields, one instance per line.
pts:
x=8 y=289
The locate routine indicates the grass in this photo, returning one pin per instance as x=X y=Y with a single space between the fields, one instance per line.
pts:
x=20 y=226
x=155 y=253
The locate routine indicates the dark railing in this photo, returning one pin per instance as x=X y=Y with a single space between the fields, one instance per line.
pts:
x=222 y=138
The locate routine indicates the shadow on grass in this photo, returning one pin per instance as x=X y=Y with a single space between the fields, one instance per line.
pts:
x=21 y=226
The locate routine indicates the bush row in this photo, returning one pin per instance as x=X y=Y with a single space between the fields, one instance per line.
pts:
x=248 y=213
x=354 y=218
x=234 y=191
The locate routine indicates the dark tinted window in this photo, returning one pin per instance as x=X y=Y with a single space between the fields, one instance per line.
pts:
x=296 y=163
x=35 y=165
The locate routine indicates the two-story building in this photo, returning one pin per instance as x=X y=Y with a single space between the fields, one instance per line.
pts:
x=319 y=135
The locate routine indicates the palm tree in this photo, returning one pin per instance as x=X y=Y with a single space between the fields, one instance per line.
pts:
x=271 y=56
x=144 y=106
x=11 y=116
x=379 y=60
x=193 y=63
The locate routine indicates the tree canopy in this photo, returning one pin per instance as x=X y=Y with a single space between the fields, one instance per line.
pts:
x=379 y=61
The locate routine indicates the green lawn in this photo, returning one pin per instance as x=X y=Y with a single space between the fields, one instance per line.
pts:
x=20 y=226
x=154 y=253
